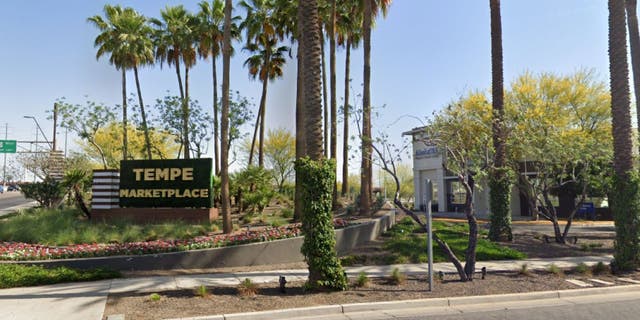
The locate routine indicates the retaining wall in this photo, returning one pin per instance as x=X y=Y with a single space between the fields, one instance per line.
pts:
x=262 y=253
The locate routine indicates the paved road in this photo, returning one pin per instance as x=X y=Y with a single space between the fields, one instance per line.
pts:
x=10 y=200
x=621 y=306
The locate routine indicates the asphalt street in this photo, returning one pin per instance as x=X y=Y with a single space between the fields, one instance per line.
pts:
x=10 y=200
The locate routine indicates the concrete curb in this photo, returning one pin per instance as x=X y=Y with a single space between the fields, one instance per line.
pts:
x=419 y=303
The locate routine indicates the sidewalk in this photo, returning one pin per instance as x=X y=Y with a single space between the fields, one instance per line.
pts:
x=87 y=300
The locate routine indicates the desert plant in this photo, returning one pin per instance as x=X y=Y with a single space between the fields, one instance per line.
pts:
x=202 y=291
x=247 y=288
x=397 y=277
x=582 y=268
x=553 y=268
x=362 y=280
x=599 y=268
x=154 y=297
x=47 y=193
x=524 y=270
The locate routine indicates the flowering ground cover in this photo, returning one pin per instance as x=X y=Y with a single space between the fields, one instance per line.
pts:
x=27 y=251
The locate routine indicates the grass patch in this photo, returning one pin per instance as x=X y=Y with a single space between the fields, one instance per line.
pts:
x=66 y=227
x=524 y=270
x=397 y=277
x=408 y=242
x=201 y=291
x=247 y=288
x=554 y=269
x=154 y=297
x=582 y=268
x=15 y=275
x=600 y=268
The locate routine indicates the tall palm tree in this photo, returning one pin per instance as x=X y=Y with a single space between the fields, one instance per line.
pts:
x=175 y=39
x=210 y=37
x=263 y=35
x=227 y=226
x=211 y=25
x=634 y=41
x=370 y=10
x=349 y=27
x=135 y=38
x=108 y=42
x=500 y=186
x=624 y=200
x=266 y=64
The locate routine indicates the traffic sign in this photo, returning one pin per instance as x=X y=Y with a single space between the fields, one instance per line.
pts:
x=7 y=146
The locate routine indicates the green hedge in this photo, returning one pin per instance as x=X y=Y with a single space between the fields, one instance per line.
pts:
x=325 y=270
x=625 y=206
x=500 y=204
x=15 y=275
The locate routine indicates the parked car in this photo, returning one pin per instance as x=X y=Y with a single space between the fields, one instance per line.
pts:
x=13 y=187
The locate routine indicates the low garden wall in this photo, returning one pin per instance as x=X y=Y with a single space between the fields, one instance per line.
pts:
x=263 y=253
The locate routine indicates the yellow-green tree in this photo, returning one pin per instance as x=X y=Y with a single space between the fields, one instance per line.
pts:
x=108 y=139
x=280 y=154
x=560 y=128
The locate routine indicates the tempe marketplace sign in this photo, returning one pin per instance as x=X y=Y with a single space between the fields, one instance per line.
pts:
x=184 y=183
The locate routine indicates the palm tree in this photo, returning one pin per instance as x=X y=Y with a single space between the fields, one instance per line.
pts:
x=624 y=200
x=210 y=37
x=349 y=24
x=263 y=34
x=135 y=38
x=108 y=42
x=634 y=41
x=266 y=64
x=227 y=226
x=370 y=11
x=175 y=38
x=500 y=187
x=211 y=25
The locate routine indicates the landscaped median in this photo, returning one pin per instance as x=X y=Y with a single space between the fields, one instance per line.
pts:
x=255 y=246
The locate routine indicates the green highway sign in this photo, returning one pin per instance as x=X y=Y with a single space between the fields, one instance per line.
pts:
x=7 y=146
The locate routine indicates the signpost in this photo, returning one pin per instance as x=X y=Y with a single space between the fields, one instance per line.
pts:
x=8 y=146
x=428 y=198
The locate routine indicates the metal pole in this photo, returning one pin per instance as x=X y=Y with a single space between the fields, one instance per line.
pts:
x=36 y=148
x=430 y=245
x=4 y=166
x=55 y=124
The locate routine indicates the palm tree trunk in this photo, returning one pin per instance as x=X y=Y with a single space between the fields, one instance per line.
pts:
x=145 y=127
x=332 y=79
x=300 y=133
x=179 y=78
x=263 y=108
x=255 y=136
x=500 y=187
x=185 y=115
x=216 y=129
x=345 y=135
x=124 y=115
x=366 y=170
x=634 y=41
x=324 y=93
x=312 y=56
x=225 y=207
x=625 y=194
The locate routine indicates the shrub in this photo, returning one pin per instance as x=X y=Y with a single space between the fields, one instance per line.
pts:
x=582 y=268
x=154 y=297
x=287 y=213
x=397 y=277
x=202 y=291
x=47 y=193
x=555 y=270
x=247 y=288
x=524 y=270
x=362 y=280
x=325 y=271
x=600 y=268
x=625 y=199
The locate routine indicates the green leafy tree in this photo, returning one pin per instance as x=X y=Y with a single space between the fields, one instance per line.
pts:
x=560 y=128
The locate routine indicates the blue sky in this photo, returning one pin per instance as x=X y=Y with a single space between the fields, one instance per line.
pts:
x=425 y=54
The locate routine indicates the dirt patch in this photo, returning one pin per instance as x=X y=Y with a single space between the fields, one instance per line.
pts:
x=184 y=303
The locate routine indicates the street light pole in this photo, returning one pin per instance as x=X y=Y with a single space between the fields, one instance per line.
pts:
x=42 y=132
